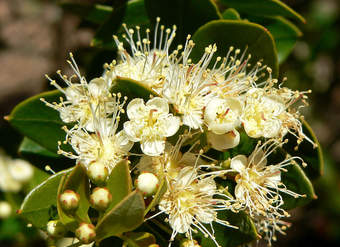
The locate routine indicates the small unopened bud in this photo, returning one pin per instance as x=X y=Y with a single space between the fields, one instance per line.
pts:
x=5 y=210
x=55 y=229
x=147 y=183
x=190 y=243
x=98 y=173
x=69 y=200
x=100 y=198
x=86 y=233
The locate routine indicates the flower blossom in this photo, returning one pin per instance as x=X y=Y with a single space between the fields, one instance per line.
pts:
x=150 y=124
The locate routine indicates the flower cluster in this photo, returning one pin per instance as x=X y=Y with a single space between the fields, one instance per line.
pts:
x=193 y=107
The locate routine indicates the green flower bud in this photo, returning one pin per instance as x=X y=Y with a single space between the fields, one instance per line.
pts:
x=86 y=233
x=69 y=200
x=147 y=183
x=100 y=198
x=98 y=173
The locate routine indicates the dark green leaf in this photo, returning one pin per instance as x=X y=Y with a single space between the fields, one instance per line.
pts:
x=40 y=156
x=125 y=216
x=119 y=183
x=263 y=8
x=139 y=239
x=39 y=122
x=103 y=36
x=312 y=155
x=188 y=15
x=38 y=204
x=296 y=180
x=95 y=13
x=132 y=89
x=77 y=181
x=240 y=34
x=231 y=14
x=285 y=35
x=229 y=237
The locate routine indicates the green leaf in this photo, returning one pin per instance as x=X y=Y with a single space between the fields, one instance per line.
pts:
x=96 y=13
x=229 y=237
x=231 y=14
x=296 y=180
x=37 y=207
x=77 y=181
x=40 y=156
x=263 y=8
x=103 y=36
x=139 y=239
x=40 y=123
x=225 y=33
x=39 y=176
x=188 y=15
x=131 y=88
x=119 y=183
x=285 y=35
x=136 y=14
x=312 y=155
x=125 y=216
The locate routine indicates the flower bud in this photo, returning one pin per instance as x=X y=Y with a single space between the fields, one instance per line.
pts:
x=147 y=183
x=55 y=229
x=190 y=243
x=98 y=173
x=69 y=200
x=86 y=233
x=100 y=198
x=5 y=210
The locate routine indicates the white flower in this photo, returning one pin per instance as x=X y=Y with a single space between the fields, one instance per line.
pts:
x=259 y=184
x=190 y=203
x=148 y=61
x=261 y=116
x=187 y=85
x=21 y=170
x=5 y=210
x=7 y=182
x=225 y=141
x=105 y=146
x=82 y=99
x=223 y=115
x=150 y=124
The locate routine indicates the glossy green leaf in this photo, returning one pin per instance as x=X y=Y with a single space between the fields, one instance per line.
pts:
x=39 y=176
x=229 y=237
x=231 y=14
x=136 y=14
x=312 y=155
x=285 y=35
x=96 y=13
x=40 y=156
x=38 y=122
x=158 y=195
x=125 y=216
x=263 y=8
x=119 y=183
x=131 y=88
x=103 y=36
x=188 y=15
x=296 y=180
x=77 y=181
x=38 y=206
x=139 y=239
x=240 y=34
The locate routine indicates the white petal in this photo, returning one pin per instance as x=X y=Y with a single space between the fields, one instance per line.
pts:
x=212 y=109
x=136 y=108
x=271 y=128
x=186 y=176
x=239 y=192
x=123 y=140
x=258 y=159
x=97 y=87
x=171 y=125
x=159 y=104
x=153 y=148
x=239 y=163
x=131 y=131
x=223 y=142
